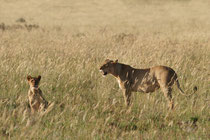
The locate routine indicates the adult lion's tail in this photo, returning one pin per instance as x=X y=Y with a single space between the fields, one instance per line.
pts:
x=178 y=86
x=181 y=91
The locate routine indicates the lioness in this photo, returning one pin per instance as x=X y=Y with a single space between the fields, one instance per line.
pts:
x=142 y=80
x=36 y=99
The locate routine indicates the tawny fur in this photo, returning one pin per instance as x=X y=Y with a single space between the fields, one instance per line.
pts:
x=36 y=100
x=142 y=80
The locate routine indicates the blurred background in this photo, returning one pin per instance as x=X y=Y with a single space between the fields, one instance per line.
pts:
x=118 y=15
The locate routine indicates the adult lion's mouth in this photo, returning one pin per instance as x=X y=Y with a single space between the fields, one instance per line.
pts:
x=105 y=73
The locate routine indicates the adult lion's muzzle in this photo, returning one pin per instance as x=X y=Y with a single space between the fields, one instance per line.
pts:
x=103 y=72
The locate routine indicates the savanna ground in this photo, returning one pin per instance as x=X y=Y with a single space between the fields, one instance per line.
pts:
x=66 y=42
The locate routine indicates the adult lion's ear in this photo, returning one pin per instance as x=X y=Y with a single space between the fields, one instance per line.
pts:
x=107 y=60
x=116 y=61
x=29 y=77
x=39 y=77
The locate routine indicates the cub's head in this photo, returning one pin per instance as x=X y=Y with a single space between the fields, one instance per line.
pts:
x=108 y=67
x=33 y=81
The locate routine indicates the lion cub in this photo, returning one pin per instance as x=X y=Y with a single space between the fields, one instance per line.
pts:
x=36 y=99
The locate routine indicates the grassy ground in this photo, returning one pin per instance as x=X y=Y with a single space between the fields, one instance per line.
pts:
x=88 y=106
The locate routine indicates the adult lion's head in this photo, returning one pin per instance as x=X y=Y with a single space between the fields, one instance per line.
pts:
x=108 y=67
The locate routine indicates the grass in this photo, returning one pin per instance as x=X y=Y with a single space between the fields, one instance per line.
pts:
x=88 y=106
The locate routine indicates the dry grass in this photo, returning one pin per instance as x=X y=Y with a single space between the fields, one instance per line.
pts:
x=88 y=106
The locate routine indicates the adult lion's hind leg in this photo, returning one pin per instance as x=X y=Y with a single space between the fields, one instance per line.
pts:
x=168 y=94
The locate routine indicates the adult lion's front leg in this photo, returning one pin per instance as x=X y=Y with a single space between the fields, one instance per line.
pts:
x=127 y=96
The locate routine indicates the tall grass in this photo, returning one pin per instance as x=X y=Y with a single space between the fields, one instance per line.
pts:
x=66 y=42
x=88 y=106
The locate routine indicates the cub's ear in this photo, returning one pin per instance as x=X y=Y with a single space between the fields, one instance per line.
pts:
x=39 y=77
x=116 y=61
x=29 y=77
